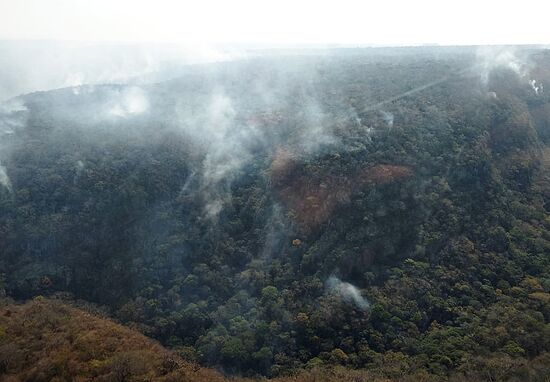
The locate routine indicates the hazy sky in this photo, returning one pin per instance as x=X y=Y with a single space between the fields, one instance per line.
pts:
x=382 y=22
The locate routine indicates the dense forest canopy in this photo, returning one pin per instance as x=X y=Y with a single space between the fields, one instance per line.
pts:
x=385 y=209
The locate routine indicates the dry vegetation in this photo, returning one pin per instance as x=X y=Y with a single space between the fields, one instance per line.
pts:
x=46 y=340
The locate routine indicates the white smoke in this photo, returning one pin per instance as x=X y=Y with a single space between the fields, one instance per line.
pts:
x=347 y=292
x=276 y=232
x=12 y=116
x=221 y=131
x=187 y=183
x=225 y=141
x=79 y=167
x=74 y=80
x=490 y=58
x=130 y=101
x=388 y=117
x=13 y=105
x=315 y=132
x=537 y=87
x=72 y=64
x=230 y=131
x=213 y=208
x=4 y=178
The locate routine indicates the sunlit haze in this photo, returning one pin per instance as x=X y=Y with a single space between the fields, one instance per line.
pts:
x=393 y=22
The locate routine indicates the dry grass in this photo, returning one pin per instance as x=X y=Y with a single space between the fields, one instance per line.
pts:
x=46 y=340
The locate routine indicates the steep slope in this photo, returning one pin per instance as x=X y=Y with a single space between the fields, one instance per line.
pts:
x=46 y=340
x=272 y=214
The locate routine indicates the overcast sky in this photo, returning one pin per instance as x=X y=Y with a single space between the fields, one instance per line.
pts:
x=384 y=22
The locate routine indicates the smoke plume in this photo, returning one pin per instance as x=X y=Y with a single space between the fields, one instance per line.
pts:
x=347 y=292
x=4 y=179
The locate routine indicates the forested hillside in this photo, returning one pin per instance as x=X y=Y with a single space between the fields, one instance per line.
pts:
x=383 y=209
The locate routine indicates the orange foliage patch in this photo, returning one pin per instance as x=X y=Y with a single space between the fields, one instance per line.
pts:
x=384 y=173
x=312 y=198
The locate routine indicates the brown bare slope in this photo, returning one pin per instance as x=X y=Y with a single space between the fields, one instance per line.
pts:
x=46 y=340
